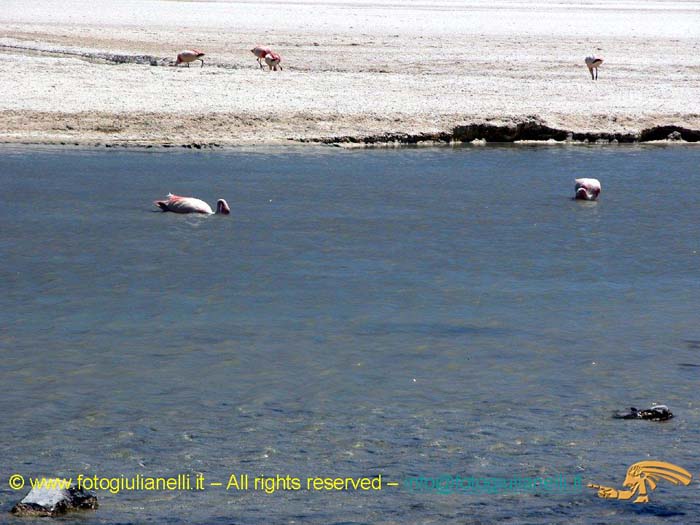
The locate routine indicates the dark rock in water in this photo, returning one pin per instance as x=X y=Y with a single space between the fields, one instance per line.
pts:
x=653 y=413
x=54 y=502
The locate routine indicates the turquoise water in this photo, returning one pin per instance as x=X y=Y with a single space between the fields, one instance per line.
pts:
x=406 y=312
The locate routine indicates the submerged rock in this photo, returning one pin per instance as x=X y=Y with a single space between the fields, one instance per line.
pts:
x=54 y=502
x=653 y=413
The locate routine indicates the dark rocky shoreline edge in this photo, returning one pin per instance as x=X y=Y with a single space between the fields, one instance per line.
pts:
x=526 y=132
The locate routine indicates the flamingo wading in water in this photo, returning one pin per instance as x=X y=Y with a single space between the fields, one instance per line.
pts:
x=593 y=63
x=189 y=55
x=587 y=189
x=178 y=204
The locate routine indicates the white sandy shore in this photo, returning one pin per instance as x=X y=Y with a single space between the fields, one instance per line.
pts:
x=352 y=67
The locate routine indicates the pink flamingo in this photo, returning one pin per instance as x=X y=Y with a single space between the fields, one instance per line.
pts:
x=587 y=189
x=273 y=60
x=593 y=63
x=189 y=55
x=178 y=204
x=260 y=52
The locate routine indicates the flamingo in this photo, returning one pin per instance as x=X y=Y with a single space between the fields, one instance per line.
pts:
x=587 y=189
x=189 y=55
x=260 y=52
x=178 y=204
x=593 y=63
x=273 y=60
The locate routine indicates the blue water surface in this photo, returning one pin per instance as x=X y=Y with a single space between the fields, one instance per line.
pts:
x=398 y=312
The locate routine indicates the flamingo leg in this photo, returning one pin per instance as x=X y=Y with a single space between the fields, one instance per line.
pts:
x=188 y=64
x=596 y=73
x=592 y=77
x=202 y=61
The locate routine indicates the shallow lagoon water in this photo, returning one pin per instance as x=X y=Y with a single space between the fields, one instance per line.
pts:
x=397 y=312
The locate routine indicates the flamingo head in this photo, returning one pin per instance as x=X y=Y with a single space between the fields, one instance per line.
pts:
x=587 y=193
x=582 y=193
x=222 y=207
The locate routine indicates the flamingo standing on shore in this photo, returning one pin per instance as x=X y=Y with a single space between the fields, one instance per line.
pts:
x=593 y=63
x=189 y=55
x=273 y=60
x=260 y=52
x=587 y=189
x=178 y=204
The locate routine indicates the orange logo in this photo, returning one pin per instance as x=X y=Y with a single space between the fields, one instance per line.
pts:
x=643 y=477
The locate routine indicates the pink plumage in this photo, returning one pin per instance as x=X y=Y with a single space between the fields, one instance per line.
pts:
x=178 y=204
x=189 y=55
x=261 y=51
x=593 y=63
x=271 y=58
x=587 y=189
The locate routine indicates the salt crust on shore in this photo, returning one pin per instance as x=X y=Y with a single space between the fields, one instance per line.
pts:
x=352 y=68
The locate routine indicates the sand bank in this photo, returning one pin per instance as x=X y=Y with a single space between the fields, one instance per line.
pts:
x=354 y=70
